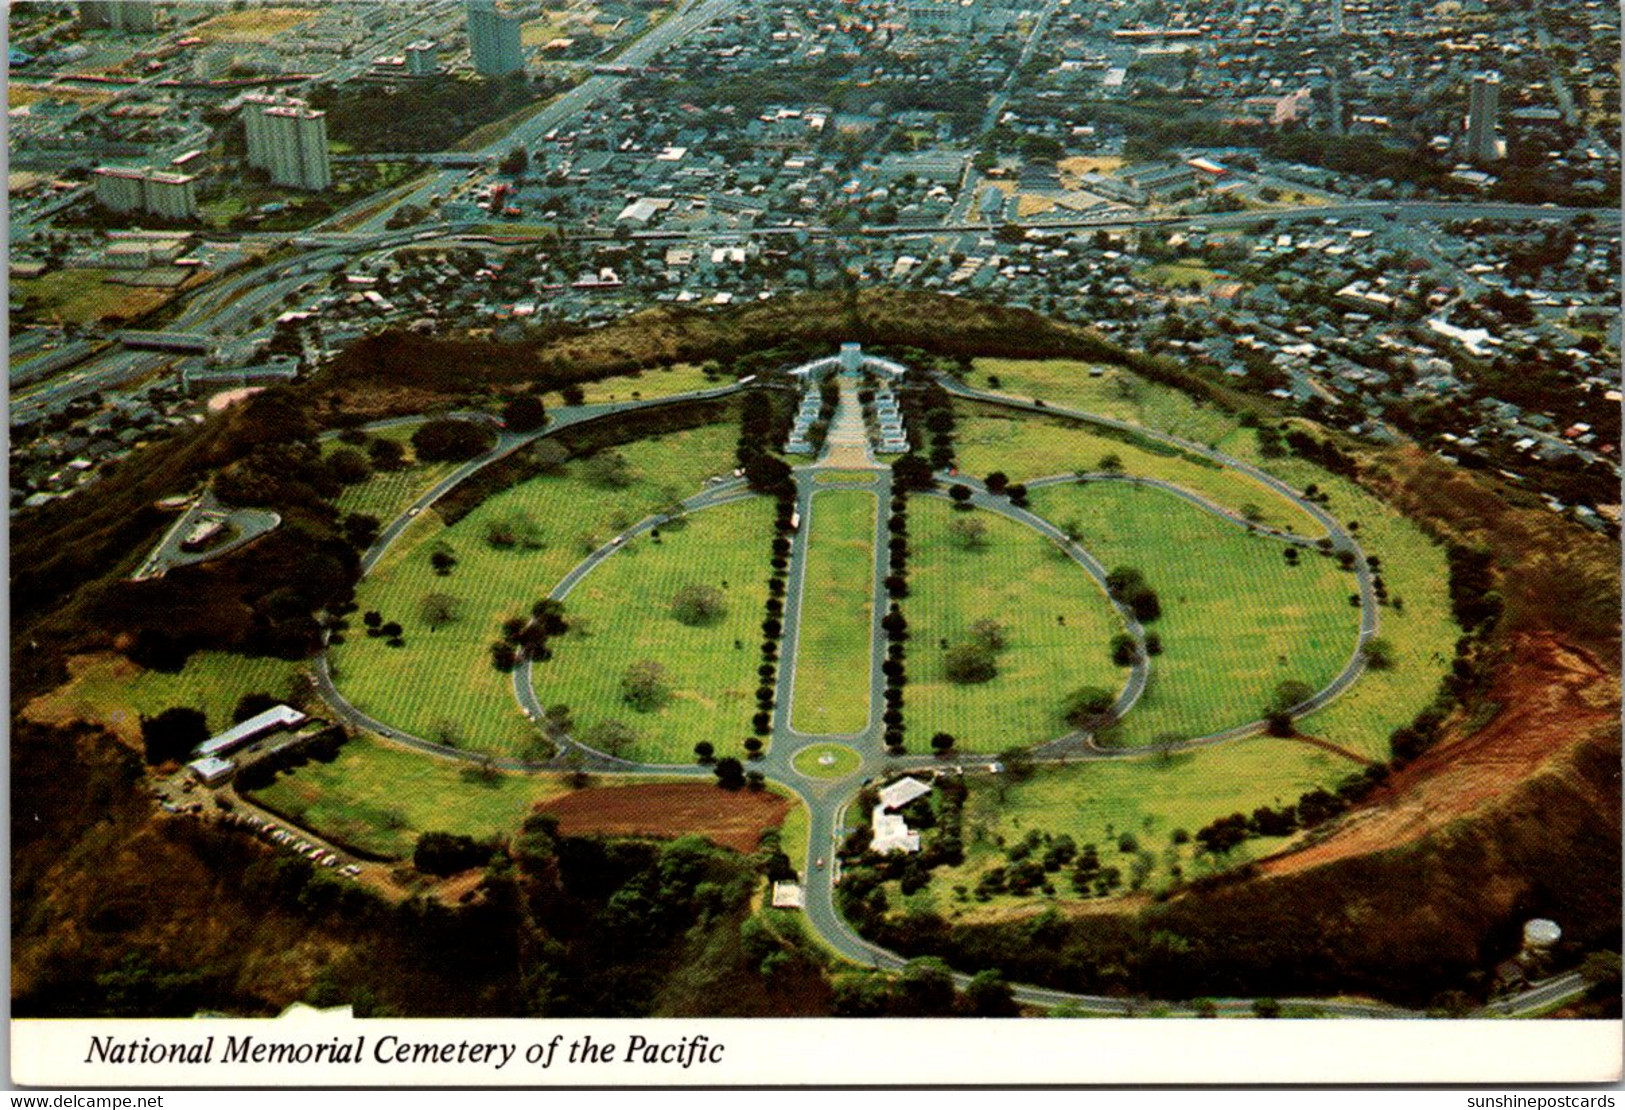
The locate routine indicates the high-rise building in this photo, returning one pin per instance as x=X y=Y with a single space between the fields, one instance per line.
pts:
x=173 y=195
x=287 y=138
x=298 y=148
x=133 y=16
x=1482 y=106
x=494 y=39
x=422 y=58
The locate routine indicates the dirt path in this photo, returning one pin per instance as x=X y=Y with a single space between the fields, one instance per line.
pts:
x=1335 y=749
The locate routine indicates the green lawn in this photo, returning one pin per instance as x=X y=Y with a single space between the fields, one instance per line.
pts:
x=1106 y=390
x=623 y=616
x=794 y=832
x=827 y=761
x=1058 y=622
x=115 y=692
x=1422 y=631
x=682 y=378
x=833 y=652
x=1028 y=446
x=829 y=477
x=442 y=685
x=82 y=296
x=1180 y=275
x=1236 y=619
x=378 y=797
x=1148 y=798
x=389 y=493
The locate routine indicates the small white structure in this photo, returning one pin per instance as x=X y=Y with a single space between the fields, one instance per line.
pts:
x=787 y=896
x=903 y=791
x=892 y=834
x=211 y=771
x=1541 y=933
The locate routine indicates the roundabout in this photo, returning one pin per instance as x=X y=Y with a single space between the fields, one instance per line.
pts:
x=827 y=761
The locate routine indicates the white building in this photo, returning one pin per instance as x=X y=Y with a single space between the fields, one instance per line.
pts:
x=172 y=195
x=422 y=58
x=288 y=139
x=298 y=154
x=279 y=716
x=890 y=831
x=1483 y=105
x=494 y=39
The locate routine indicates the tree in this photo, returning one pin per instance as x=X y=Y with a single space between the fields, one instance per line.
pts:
x=730 y=773
x=968 y=533
x=969 y=662
x=524 y=413
x=439 y=610
x=610 y=736
x=444 y=853
x=961 y=494
x=1379 y=654
x=704 y=750
x=610 y=470
x=442 y=559
x=361 y=530
x=698 y=605
x=1125 y=652
x=173 y=734
x=1110 y=464
x=991 y=633
x=349 y=466
x=927 y=988
x=515 y=162
x=1086 y=706
x=996 y=481
x=1278 y=713
x=449 y=440
x=643 y=686
x=1128 y=585
x=942 y=742
x=753 y=747
x=988 y=995
x=386 y=454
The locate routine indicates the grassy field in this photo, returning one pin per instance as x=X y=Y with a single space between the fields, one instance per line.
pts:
x=1147 y=798
x=794 y=832
x=378 y=797
x=1236 y=619
x=114 y=692
x=622 y=612
x=1422 y=632
x=1058 y=622
x=389 y=493
x=1107 y=390
x=833 y=652
x=1027 y=447
x=1180 y=275
x=682 y=378
x=441 y=685
x=81 y=296
x=253 y=25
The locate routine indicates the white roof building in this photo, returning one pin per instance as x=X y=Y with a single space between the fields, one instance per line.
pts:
x=279 y=716
x=903 y=791
x=787 y=896
x=892 y=834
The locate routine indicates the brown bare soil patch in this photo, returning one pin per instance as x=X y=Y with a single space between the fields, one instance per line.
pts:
x=1553 y=696
x=1335 y=749
x=731 y=818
